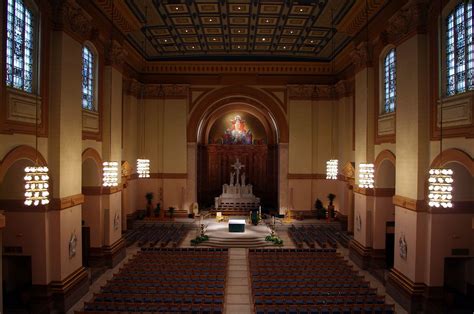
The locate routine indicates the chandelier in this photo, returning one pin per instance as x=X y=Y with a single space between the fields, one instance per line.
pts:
x=366 y=176
x=440 y=188
x=36 y=186
x=143 y=168
x=110 y=173
x=331 y=169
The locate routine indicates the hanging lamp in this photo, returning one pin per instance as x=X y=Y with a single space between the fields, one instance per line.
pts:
x=143 y=164
x=36 y=177
x=366 y=170
x=440 y=179
x=110 y=168
x=332 y=164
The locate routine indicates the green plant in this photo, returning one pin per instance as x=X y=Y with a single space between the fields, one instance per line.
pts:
x=157 y=209
x=149 y=197
x=255 y=218
x=171 y=211
x=320 y=210
x=331 y=198
x=276 y=240
x=199 y=239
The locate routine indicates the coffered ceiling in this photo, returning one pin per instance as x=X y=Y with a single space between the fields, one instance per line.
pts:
x=237 y=29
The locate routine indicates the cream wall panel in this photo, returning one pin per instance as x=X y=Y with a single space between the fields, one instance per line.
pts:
x=323 y=129
x=9 y=142
x=65 y=134
x=133 y=145
x=412 y=118
x=300 y=126
x=175 y=145
x=70 y=223
x=93 y=216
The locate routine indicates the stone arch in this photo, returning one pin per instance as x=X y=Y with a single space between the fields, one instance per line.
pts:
x=18 y=153
x=253 y=97
x=385 y=165
x=454 y=155
x=91 y=167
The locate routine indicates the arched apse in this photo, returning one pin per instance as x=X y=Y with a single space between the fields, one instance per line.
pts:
x=384 y=165
x=252 y=99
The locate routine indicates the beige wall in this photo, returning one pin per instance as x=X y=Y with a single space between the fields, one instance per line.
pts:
x=301 y=139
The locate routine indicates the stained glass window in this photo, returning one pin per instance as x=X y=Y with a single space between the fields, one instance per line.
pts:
x=20 y=46
x=390 y=81
x=88 y=79
x=459 y=50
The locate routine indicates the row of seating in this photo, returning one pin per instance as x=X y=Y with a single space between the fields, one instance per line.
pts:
x=160 y=280
x=157 y=234
x=312 y=236
x=311 y=281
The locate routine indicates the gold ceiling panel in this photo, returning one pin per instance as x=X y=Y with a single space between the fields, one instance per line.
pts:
x=208 y=7
x=238 y=8
x=211 y=20
x=270 y=8
x=238 y=20
x=265 y=31
x=239 y=31
x=241 y=28
x=186 y=31
x=268 y=21
x=182 y=20
x=176 y=8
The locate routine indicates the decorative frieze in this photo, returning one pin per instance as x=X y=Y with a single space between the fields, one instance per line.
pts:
x=361 y=56
x=320 y=92
x=166 y=91
x=71 y=17
x=411 y=18
x=116 y=54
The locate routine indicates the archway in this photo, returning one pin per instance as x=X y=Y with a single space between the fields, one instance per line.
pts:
x=92 y=214
x=383 y=219
x=24 y=237
x=210 y=125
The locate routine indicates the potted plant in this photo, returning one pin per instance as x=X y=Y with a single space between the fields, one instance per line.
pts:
x=149 y=203
x=331 y=211
x=320 y=210
x=171 y=211
x=157 y=210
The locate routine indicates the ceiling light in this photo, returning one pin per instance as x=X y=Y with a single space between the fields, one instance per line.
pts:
x=210 y=20
x=284 y=47
x=312 y=41
x=366 y=176
x=177 y=8
x=301 y=10
x=331 y=169
x=263 y=39
x=238 y=8
x=266 y=21
x=193 y=47
x=185 y=30
x=291 y=32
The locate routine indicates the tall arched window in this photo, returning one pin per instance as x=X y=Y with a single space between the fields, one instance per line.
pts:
x=21 y=46
x=459 y=49
x=390 y=81
x=88 y=79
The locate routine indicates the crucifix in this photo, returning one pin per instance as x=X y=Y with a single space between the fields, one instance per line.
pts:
x=237 y=166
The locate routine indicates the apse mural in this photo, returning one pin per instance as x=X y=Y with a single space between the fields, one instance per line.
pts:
x=237 y=128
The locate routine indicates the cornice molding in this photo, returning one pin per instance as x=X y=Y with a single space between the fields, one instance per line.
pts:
x=409 y=203
x=341 y=89
x=238 y=67
x=115 y=54
x=353 y=23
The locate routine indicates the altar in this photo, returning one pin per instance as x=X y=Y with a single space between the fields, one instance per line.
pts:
x=236 y=225
x=237 y=194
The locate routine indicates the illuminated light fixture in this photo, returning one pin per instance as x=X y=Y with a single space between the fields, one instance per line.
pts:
x=36 y=177
x=331 y=169
x=36 y=186
x=366 y=176
x=440 y=188
x=440 y=181
x=143 y=164
x=332 y=164
x=110 y=173
x=143 y=168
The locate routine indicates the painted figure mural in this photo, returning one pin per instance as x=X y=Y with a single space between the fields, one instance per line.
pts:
x=237 y=133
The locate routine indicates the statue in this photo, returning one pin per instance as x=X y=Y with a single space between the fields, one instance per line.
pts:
x=243 y=179
x=237 y=166
x=232 y=175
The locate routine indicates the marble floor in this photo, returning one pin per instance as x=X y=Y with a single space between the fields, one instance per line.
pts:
x=237 y=297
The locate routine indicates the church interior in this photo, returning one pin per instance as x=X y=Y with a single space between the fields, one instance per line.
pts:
x=237 y=156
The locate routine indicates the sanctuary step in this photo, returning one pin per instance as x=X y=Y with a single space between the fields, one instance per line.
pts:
x=244 y=242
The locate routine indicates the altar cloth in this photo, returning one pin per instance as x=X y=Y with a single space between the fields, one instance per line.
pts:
x=236 y=225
